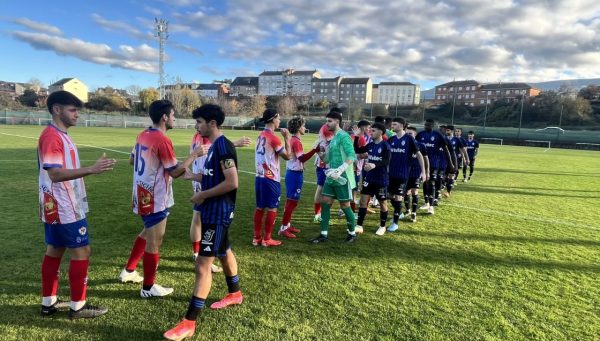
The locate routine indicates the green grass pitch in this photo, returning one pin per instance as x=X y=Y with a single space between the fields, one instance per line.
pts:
x=514 y=254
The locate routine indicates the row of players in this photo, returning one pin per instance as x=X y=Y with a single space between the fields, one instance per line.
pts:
x=388 y=163
x=63 y=201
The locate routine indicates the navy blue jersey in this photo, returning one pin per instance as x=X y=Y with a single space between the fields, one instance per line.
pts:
x=218 y=210
x=378 y=154
x=471 y=146
x=457 y=144
x=402 y=150
x=415 y=168
x=434 y=142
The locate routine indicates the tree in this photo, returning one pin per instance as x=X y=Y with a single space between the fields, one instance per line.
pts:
x=133 y=90
x=286 y=106
x=184 y=100
x=254 y=106
x=380 y=110
x=590 y=92
x=29 y=98
x=147 y=96
x=7 y=102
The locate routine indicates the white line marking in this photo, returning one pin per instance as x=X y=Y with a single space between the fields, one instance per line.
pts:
x=501 y=213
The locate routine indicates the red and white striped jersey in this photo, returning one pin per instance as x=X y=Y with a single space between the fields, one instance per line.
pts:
x=154 y=157
x=268 y=147
x=198 y=164
x=60 y=202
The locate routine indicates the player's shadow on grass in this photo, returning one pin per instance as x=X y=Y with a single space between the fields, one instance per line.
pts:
x=494 y=238
x=28 y=317
x=520 y=191
x=522 y=171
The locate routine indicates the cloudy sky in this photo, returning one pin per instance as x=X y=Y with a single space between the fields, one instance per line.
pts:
x=426 y=42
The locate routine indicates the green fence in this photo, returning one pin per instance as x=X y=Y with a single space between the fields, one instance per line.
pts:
x=92 y=119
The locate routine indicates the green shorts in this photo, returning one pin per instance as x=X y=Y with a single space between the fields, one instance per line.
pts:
x=340 y=192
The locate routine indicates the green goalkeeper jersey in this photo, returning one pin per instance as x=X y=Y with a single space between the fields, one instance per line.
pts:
x=341 y=149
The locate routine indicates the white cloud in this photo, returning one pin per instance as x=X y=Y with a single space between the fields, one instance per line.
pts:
x=38 y=26
x=139 y=58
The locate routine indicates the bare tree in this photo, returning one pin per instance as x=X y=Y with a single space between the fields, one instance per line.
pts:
x=286 y=106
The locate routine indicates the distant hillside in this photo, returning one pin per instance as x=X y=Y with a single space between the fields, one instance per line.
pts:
x=544 y=86
x=572 y=83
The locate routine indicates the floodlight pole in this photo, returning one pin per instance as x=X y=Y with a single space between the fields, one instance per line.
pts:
x=161 y=30
x=486 y=110
x=521 y=116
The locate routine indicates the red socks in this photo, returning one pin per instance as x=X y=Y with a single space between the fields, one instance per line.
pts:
x=196 y=246
x=317 y=208
x=50 y=267
x=269 y=224
x=137 y=251
x=150 y=267
x=78 y=270
x=290 y=206
x=258 y=217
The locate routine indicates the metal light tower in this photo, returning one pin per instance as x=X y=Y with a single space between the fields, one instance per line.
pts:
x=161 y=27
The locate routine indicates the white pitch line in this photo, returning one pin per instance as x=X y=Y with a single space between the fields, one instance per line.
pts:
x=500 y=213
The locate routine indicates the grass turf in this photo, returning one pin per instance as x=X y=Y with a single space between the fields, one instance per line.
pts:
x=514 y=254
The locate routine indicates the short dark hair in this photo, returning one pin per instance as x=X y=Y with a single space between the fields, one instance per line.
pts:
x=294 y=124
x=379 y=119
x=363 y=123
x=471 y=132
x=450 y=126
x=159 y=108
x=411 y=128
x=336 y=115
x=335 y=109
x=387 y=120
x=62 y=98
x=430 y=120
x=378 y=125
x=400 y=120
x=210 y=112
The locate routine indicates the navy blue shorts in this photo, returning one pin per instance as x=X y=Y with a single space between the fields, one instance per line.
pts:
x=215 y=240
x=267 y=193
x=398 y=186
x=321 y=176
x=71 y=235
x=155 y=218
x=293 y=184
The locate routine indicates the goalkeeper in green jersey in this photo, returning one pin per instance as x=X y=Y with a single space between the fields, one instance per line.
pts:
x=340 y=177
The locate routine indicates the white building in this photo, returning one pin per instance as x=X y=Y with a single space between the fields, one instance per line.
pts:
x=399 y=93
x=286 y=83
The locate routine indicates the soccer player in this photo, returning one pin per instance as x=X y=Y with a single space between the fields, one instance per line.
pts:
x=459 y=159
x=439 y=158
x=363 y=139
x=294 y=175
x=154 y=164
x=417 y=174
x=216 y=202
x=267 y=186
x=403 y=147
x=472 y=147
x=63 y=207
x=322 y=143
x=340 y=179
x=197 y=167
x=375 y=180
x=456 y=148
